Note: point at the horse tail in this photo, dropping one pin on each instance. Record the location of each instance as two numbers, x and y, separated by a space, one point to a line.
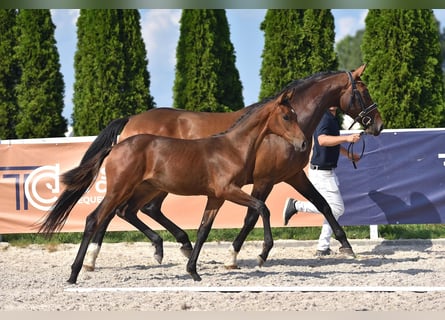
106 138
77 181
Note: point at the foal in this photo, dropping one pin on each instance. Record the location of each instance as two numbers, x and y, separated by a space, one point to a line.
143 166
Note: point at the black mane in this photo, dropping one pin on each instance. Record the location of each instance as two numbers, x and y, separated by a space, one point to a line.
294 85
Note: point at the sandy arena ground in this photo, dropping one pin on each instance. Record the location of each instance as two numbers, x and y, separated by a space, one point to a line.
34 278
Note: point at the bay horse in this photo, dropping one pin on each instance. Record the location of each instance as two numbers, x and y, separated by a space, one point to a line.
310 98
142 166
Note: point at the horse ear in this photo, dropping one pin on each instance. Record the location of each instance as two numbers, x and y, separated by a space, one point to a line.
285 97
359 71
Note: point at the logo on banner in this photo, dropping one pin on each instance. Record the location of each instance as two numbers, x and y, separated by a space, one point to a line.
47 176
39 186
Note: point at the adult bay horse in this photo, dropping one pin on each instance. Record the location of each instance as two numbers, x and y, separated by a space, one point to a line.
310 98
142 166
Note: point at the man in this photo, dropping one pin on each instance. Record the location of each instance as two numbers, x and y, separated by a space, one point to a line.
326 150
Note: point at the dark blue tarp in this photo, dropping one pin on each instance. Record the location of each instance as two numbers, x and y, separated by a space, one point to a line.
400 180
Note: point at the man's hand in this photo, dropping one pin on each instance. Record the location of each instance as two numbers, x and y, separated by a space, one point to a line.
353 138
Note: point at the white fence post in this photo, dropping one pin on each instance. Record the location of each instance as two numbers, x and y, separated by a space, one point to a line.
373 232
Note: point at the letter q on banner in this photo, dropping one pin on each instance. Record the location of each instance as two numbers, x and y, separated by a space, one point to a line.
42 186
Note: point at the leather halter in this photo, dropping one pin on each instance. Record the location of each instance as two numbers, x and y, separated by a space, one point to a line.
363 117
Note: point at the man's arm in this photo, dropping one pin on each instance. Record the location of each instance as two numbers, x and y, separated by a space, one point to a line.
330 141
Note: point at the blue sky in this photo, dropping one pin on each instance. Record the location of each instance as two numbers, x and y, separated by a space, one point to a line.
160 31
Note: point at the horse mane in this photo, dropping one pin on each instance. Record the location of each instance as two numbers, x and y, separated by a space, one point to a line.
302 83
253 108
293 86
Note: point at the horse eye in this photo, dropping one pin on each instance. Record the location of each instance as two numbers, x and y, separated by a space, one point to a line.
286 117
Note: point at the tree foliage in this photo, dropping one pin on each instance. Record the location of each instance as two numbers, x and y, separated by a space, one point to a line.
297 44
41 88
8 74
404 73
111 76
206 77
349 51
442 47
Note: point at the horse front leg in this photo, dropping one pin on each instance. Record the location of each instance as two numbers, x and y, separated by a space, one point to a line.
153 210
211 209
240 197
260 191
304 186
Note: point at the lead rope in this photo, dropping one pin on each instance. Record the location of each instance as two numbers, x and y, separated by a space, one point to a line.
351 151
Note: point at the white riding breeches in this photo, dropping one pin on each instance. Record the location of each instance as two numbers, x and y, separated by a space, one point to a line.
326 182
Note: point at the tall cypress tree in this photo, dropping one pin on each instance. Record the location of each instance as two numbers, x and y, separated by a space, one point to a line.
111 76
404 73
349 51
297 44
8 74
41 88
206 76
442 46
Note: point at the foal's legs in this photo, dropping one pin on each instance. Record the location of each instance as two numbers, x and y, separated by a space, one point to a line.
90 227
238 196
260 191
302 184
211 209
153 210
94 221
96 243
131 217
89 262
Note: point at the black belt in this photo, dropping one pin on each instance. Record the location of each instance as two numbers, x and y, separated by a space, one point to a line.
315 167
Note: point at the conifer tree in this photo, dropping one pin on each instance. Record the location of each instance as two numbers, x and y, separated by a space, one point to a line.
349 51
297 43
111 76
8 74
41 88
404 73
206 76
442 46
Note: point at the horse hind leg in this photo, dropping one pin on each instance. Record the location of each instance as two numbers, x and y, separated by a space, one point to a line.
128 212
94 247
302 184
153 210
90 226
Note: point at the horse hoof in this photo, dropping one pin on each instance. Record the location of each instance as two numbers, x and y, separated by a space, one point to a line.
195 277
71 281
158 258
88 268
347 252
260 261
186 251
231 266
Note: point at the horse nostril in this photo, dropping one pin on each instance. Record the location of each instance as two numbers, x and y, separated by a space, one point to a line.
304 145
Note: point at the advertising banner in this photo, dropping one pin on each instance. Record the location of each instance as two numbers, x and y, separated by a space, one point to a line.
29 185
399 180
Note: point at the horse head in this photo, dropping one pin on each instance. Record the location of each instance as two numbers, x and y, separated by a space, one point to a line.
284 122
358 104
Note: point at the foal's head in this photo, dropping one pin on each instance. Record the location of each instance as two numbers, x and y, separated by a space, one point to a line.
283 122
